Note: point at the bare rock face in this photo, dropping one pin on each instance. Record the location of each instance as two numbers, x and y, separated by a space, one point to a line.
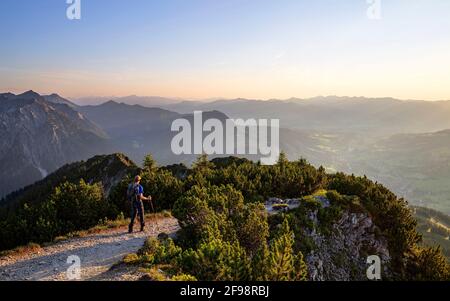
342 256
38 136
338 248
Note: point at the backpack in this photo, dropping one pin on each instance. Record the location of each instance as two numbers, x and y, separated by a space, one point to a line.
132 192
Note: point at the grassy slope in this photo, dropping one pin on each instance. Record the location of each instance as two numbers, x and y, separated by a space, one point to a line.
435 228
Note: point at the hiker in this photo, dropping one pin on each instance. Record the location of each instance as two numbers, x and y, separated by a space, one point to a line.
135 194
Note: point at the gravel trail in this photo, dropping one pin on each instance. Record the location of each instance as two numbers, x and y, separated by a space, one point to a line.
97 253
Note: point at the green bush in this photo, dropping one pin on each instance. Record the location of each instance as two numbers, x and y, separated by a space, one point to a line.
327 217
131 259
71 207
216 260
428 264
156 251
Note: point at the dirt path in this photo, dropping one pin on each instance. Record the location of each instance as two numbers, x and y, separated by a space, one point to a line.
97 253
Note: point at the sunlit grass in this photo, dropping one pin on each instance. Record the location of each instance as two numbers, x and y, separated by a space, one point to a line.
30 248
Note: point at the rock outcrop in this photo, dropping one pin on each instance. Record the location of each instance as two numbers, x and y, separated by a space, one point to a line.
342 256
339 246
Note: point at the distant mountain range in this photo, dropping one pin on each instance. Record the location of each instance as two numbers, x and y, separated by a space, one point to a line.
39 134
402 144
372 116
137 130
146 101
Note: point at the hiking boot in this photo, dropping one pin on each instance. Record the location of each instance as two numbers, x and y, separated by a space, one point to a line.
130 229
142 228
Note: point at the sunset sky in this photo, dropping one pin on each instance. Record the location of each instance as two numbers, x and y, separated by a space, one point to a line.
231 48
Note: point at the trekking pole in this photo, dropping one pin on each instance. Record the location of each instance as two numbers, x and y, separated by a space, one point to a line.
154 213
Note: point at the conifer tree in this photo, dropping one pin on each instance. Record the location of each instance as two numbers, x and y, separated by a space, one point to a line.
150 163
283 264
300 268
282 159
236 265
260 264
281 259
202 163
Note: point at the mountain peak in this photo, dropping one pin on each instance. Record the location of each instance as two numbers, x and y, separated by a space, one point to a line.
29 95
110 103
57 99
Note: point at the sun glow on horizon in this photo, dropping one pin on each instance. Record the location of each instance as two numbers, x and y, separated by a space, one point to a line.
203 50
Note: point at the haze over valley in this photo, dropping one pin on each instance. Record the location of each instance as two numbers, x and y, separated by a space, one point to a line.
380 138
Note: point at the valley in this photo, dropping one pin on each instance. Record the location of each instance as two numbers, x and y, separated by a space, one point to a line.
373 137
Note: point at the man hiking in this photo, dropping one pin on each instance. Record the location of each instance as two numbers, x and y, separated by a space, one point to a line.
135 194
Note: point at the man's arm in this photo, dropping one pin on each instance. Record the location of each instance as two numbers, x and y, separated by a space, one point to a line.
143 198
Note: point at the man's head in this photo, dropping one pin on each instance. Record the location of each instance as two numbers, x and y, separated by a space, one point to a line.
137 179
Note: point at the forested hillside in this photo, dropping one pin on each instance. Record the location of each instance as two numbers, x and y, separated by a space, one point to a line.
227 231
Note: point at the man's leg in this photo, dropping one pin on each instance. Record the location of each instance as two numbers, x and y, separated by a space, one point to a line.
141 215
133 216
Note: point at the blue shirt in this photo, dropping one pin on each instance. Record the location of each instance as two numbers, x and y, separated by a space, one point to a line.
138 190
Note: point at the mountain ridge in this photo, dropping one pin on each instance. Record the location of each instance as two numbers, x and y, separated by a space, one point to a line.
107 169
38 136
138 130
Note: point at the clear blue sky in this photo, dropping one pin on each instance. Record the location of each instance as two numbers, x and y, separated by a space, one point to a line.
227 48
